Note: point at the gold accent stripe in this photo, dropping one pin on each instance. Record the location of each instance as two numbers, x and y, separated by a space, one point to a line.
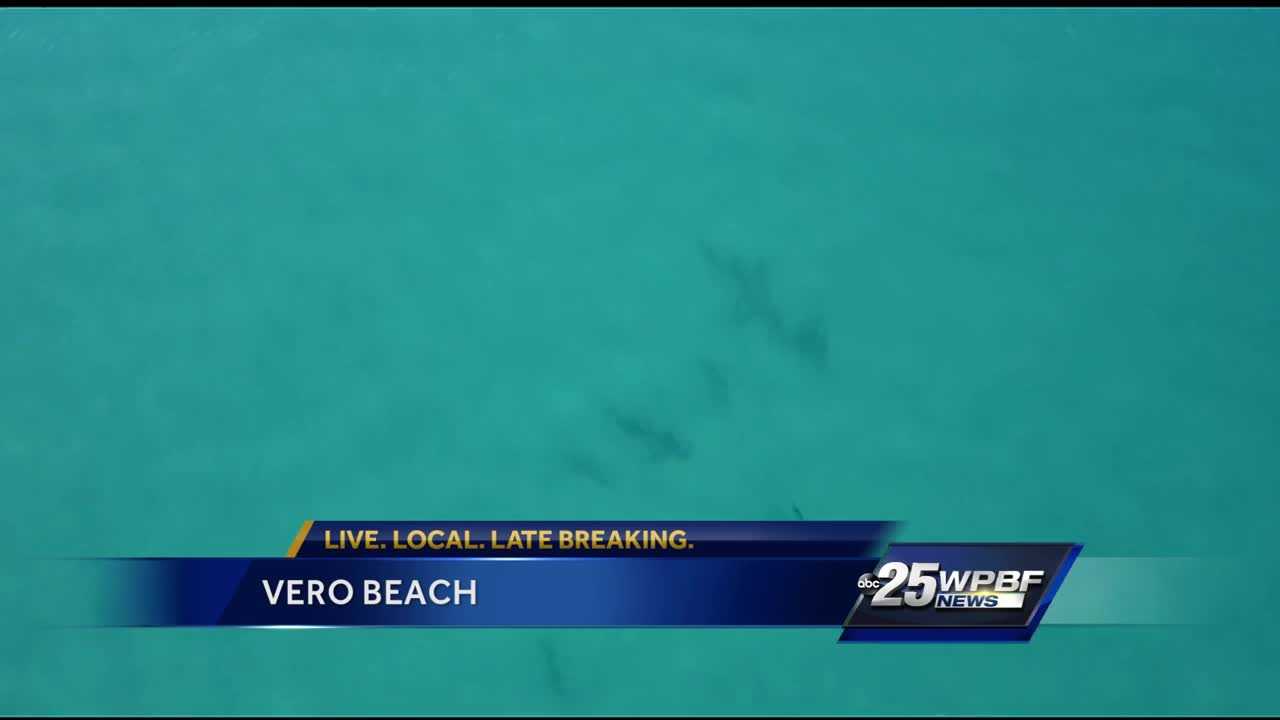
300 538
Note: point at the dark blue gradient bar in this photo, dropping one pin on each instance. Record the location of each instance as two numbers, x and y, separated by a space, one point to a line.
509 592
326 538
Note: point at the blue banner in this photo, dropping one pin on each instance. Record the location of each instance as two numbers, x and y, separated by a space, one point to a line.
595 574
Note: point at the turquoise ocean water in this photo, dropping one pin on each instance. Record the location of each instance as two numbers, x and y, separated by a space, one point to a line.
1001 275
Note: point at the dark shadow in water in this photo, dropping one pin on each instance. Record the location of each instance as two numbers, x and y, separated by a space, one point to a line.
716 383
751 288
661 444
555 671
586 466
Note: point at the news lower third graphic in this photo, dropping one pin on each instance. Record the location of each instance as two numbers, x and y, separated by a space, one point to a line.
848 576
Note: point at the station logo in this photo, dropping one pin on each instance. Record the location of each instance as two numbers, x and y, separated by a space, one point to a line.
946 592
